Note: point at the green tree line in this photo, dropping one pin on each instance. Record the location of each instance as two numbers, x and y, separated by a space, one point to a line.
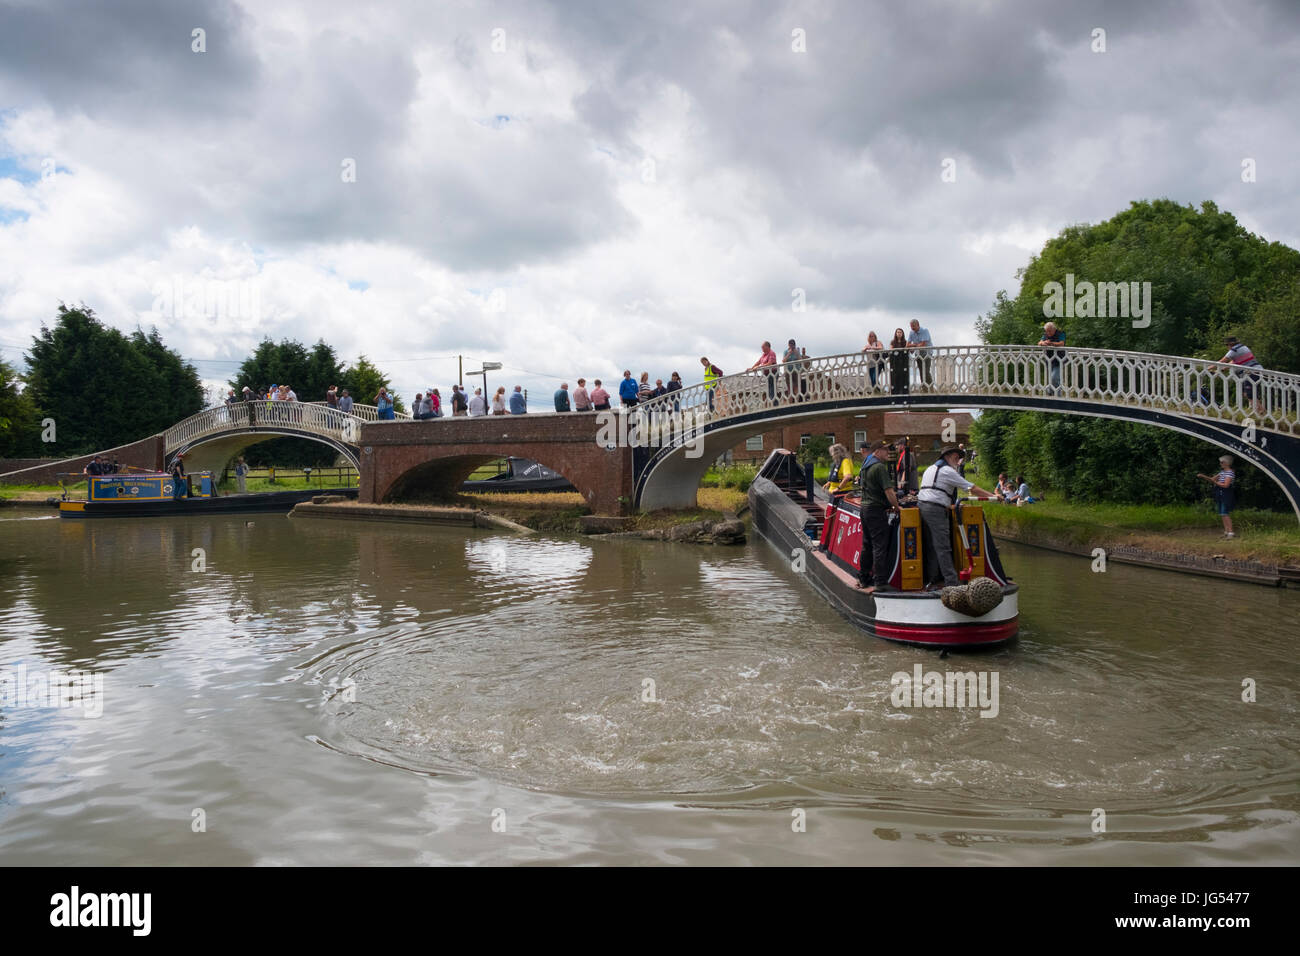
104 388
1209 278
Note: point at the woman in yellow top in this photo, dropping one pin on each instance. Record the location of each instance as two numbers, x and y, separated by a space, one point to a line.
841 478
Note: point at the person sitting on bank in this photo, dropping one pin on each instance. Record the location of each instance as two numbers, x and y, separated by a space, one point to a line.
1004 490
937 499
841 477
1225 492
878 500
1022 495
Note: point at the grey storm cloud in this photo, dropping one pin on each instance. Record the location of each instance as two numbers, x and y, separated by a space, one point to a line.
818 170
129 59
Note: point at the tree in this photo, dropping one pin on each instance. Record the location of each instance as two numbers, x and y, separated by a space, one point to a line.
815 451
20 419
364 381
1209 277
104 389
310 373
180 392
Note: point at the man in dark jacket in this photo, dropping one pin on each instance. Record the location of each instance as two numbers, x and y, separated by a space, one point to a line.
180 487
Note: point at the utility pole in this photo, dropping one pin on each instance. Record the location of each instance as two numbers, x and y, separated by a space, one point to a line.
460 370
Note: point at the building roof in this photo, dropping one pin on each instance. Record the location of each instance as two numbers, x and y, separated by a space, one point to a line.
926 423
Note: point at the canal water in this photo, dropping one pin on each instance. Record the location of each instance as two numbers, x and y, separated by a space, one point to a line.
326 692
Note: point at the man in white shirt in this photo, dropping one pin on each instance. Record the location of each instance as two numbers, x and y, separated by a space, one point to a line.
477 404
940 486
919 339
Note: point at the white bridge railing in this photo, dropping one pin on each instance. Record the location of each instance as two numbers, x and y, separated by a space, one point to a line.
317 418
1192 387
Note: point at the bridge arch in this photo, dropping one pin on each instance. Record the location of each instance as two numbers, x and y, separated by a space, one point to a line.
1255 414
436 456
213 437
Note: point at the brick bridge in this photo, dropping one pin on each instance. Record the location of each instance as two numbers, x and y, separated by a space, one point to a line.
399 459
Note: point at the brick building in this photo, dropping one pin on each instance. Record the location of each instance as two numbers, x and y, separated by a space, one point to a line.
923 429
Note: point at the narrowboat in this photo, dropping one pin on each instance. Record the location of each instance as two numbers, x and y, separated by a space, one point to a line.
149 494
520 474
790 511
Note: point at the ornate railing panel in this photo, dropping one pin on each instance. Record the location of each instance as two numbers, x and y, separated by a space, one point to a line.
316 418
1208 390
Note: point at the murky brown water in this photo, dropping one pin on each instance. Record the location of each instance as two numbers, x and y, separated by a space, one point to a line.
352 693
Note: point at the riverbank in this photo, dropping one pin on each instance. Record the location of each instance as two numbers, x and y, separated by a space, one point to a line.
563 513
557 513
1174 537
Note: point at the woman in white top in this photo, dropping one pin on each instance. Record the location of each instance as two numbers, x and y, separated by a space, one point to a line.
499 401
874 344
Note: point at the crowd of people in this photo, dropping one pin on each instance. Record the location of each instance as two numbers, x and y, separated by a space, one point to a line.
887 482
904 364
100 465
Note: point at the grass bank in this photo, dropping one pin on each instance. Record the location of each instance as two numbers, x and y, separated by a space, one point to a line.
1269 537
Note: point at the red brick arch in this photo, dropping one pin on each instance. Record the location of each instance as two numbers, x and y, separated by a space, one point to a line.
403 458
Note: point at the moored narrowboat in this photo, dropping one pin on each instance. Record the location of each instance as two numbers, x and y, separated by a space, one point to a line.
791 511
150 494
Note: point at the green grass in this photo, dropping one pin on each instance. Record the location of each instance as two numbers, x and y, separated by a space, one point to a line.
39 492
736 477
1271 537
288 481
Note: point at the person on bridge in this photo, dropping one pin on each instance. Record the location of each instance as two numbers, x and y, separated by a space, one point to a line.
251 405
345 402
674 384
599 398
459 404
332 396
1053 336
562 397
518 404
581 400
499 401
898 384
767 362
1225 492
1243 358
937 499
384 406
920 340
477 404
711 374
418 410
627 389
792 359
645 391
878 500
876 369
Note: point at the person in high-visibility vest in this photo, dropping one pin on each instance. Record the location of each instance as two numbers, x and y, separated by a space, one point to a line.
711 372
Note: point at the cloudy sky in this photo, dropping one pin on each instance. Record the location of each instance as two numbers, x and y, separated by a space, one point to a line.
581 187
